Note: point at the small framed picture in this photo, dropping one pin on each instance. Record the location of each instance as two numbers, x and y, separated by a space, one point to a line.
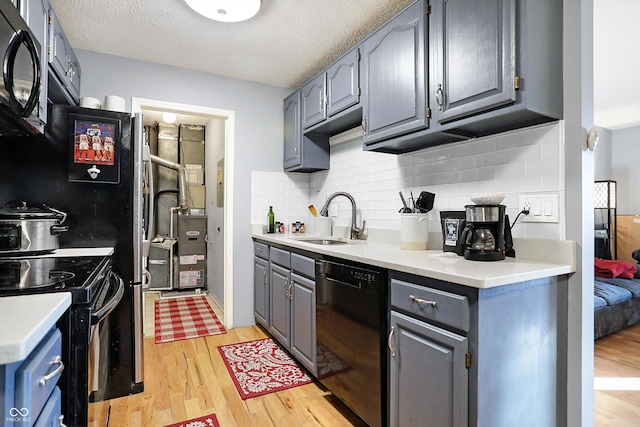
94 152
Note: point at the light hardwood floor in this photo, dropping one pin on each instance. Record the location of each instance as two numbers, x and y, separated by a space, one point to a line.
617 365
188 379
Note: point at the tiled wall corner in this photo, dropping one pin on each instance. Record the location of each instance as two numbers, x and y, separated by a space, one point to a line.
287 193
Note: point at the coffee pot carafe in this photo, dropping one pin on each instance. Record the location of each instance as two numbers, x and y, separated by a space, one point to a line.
487 234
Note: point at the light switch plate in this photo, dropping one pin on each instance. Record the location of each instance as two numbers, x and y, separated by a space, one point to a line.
333 210
542 208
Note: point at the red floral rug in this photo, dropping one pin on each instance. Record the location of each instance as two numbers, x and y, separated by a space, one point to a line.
206 421
261 367
184 318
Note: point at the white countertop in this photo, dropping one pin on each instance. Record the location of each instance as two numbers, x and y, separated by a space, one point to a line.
25 320
447 266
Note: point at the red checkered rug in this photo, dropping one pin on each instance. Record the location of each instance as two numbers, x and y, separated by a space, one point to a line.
261 367
184 318
206 421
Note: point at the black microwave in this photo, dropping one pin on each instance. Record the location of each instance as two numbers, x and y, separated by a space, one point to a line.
21 74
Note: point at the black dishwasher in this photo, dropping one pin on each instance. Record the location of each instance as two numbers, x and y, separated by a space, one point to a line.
351 320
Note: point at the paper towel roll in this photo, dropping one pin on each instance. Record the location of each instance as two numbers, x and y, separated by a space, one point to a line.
88 102
114 103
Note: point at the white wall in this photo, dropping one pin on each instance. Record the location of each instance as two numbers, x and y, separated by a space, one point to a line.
258 134
515 163
625 158
602 155
214 152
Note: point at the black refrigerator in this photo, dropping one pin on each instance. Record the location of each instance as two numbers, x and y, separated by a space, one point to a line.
89 164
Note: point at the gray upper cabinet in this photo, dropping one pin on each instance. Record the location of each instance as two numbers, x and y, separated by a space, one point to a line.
36 15
332 92
496 64
394 77
63 62
302 153
313 98
292 131
343 83
473 56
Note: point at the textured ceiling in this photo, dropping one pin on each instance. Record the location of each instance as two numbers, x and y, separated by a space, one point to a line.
288 42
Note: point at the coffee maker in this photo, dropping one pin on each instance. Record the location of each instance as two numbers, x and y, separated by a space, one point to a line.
487 234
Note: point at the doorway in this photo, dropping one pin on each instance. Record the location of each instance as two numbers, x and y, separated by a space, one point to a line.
220 181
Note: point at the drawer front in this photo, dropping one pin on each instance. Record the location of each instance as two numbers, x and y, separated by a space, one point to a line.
280 257
39 373
261 250
431 304
303 265
50 415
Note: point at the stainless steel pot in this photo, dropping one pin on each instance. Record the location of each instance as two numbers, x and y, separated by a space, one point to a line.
28 229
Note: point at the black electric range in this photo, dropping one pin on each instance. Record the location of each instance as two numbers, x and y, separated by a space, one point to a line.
46 274
95 292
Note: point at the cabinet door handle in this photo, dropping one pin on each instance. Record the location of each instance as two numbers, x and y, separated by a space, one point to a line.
291 291
389 344
56 361
295 150
364 125
264 276
440 98
422 301
286 290
61 421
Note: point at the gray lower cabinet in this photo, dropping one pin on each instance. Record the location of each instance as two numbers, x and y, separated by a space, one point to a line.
394 77
428 376
261 291
461 356
281 304
285 300
261 284
303 320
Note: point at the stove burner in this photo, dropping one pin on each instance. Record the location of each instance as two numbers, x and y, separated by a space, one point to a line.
34 273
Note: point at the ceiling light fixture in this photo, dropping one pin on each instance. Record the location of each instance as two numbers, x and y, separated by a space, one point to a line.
168 117
226 10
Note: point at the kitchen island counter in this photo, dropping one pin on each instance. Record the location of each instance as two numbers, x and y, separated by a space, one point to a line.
25 320
539 258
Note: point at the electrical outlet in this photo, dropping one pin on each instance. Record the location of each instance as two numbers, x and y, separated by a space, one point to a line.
333 210
541 207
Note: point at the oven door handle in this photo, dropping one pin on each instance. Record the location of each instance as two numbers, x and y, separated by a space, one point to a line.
111 304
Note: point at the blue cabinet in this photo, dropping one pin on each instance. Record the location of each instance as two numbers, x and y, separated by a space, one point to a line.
394 76
30 395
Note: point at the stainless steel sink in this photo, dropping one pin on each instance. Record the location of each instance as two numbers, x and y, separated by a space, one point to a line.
321 241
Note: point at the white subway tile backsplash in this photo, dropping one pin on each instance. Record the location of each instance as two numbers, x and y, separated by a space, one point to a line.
514 163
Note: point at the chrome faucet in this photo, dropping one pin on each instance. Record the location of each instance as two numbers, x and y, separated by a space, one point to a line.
356 232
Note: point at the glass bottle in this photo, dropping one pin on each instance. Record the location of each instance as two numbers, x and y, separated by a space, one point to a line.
272 220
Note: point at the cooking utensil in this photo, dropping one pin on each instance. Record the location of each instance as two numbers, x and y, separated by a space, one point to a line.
27 229
405 208
413 203
425 201
313 210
